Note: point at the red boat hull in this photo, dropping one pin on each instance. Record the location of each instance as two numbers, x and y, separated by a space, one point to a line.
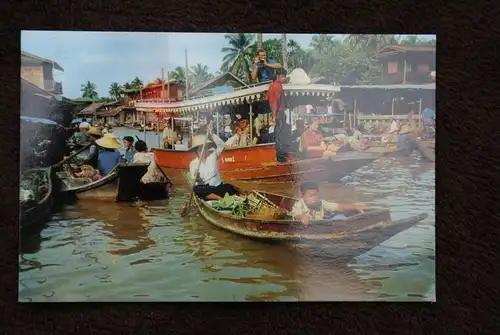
258 163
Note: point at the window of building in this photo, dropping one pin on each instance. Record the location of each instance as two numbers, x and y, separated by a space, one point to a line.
392 67
423 68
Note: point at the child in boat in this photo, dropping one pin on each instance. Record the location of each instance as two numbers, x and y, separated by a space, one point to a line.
312 207
128 143
208 182
142 155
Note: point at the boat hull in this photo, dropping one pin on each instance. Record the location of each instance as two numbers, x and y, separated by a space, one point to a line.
354 235
42 211
258 163
427 151
123 184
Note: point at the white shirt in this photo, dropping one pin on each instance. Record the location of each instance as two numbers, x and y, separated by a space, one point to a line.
394 126
330 109
209 170
153 174
309 109
232 140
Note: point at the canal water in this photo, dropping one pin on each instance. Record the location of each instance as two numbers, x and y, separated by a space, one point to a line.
103 251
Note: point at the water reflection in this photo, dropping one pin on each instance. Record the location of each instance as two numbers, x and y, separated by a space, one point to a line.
94 251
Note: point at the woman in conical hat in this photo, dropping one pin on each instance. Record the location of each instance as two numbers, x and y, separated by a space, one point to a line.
204 169
108 158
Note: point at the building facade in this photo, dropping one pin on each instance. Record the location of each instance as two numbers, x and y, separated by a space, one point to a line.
40 71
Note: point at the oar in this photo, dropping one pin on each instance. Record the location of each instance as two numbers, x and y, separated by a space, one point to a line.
72 155
186 208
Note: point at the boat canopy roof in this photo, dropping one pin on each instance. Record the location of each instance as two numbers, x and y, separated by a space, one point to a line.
243 95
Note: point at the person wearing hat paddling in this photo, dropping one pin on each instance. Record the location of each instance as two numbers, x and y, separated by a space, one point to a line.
208 182
128 143
80 136
142 155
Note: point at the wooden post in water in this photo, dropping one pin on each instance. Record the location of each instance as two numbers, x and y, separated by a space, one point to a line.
393 101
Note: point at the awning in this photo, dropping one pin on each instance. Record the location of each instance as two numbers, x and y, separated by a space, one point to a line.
238 97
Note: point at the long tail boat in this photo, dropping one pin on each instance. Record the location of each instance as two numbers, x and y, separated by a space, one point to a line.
360 230
258 163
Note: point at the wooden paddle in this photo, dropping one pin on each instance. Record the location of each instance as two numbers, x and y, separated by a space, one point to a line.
72 155
185 210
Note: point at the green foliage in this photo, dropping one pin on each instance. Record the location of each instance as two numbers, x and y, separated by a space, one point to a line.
89 91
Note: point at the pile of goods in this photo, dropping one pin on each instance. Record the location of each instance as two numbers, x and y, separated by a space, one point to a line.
33 187
252 205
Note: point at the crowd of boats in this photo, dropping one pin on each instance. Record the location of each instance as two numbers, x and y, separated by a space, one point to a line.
98 165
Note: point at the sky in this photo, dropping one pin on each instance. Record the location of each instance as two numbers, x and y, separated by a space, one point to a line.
106 57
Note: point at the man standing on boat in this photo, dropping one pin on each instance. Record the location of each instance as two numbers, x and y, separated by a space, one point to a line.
169 135
282 130
208 182
264 67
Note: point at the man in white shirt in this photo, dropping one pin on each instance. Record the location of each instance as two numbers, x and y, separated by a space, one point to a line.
208 182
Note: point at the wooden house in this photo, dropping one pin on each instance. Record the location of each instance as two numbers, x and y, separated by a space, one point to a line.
40 71
223 83
172 91
407 64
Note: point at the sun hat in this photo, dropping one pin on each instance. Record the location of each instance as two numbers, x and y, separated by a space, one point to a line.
108 141
94 131
84 125
198 141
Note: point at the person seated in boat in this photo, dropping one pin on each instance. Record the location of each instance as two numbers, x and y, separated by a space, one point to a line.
80 136
93 134
356 136
169 135
406 142
143 155
208 182
241 138
312 207
128 143
313 144
108 157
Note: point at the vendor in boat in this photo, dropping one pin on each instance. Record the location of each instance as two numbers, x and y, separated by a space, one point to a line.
93 134
80 136
169 135
128 143
312 207
313 144
142 155
107 158
406 142
208 182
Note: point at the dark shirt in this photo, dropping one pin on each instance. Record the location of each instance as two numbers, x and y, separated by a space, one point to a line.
265 73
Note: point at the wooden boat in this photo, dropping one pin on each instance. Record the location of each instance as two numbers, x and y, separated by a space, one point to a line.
366 230
258 163
122 184
427 151
39 209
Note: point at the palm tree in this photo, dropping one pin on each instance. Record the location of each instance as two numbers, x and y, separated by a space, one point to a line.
137 83
199 74
127 86
115 91
322 44
178 75
371 43
239 55
89 91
